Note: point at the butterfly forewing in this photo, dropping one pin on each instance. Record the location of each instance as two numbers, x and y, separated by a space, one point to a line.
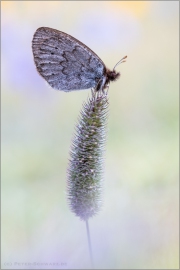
64 62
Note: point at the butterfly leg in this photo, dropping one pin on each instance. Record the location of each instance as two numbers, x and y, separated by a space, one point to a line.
98 86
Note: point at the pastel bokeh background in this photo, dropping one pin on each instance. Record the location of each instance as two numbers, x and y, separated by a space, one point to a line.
138 225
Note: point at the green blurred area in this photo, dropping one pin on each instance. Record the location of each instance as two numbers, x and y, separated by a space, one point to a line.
138 225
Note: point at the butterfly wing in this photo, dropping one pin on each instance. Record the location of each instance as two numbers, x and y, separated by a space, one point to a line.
64 62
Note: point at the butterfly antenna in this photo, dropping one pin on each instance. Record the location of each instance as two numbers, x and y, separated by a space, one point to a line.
121 61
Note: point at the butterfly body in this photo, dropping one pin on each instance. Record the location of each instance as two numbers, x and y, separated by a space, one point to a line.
67 64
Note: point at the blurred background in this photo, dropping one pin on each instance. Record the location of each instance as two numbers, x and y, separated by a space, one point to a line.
138 225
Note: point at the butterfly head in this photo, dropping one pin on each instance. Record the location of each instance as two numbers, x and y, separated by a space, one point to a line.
112 75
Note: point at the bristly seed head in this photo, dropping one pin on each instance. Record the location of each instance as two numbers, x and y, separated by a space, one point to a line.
86 158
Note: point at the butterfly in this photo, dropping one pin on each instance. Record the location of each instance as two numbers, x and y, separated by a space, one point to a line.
67 64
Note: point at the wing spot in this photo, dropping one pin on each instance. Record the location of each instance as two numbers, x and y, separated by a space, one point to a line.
52 53
56 48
